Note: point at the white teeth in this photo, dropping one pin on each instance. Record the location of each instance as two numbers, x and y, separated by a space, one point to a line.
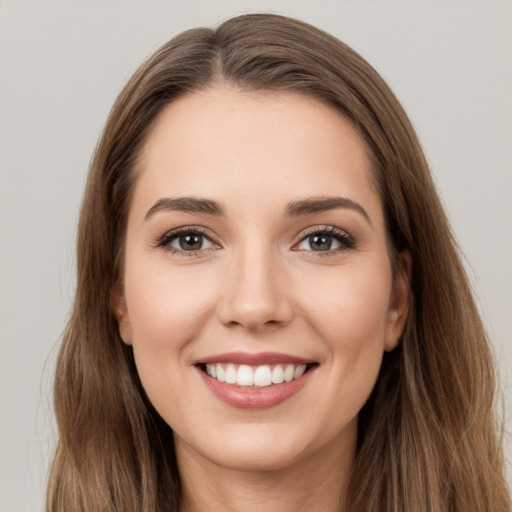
299 371
245 376
259 376
288 373
211 370
262 376
277 375
230 374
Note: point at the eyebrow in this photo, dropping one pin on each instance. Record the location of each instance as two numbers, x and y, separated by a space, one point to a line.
323 204
186 204
294 209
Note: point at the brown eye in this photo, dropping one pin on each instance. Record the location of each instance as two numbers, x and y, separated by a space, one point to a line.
185 241
328 240
320 242
189 242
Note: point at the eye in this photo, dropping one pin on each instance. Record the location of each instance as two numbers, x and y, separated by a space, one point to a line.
185 241
319 242
329 239
191 242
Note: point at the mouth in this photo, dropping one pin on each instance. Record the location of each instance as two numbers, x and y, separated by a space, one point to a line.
259 376
255 381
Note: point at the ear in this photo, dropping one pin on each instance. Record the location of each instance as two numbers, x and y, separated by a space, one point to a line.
400 300
120 311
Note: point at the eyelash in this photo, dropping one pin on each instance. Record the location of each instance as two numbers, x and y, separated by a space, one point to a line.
347 241
165 241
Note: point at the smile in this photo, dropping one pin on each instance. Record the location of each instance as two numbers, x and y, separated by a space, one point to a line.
255 376
255 381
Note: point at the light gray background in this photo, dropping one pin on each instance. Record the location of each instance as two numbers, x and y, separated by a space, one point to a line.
62 65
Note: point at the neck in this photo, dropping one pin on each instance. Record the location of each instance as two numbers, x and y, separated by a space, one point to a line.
315 484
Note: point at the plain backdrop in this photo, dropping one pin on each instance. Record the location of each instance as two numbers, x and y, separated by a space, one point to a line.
61 67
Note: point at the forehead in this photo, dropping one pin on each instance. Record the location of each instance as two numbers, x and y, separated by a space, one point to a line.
254 145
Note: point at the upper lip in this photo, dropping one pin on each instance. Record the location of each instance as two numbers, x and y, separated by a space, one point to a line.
255 359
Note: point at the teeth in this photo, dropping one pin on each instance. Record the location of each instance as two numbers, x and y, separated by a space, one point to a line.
230 375
258 376
245 376
288 373
299 371
262 376
277 375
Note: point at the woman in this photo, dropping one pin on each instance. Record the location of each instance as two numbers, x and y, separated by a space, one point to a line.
270 310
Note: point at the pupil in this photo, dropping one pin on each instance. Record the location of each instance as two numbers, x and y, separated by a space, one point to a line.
191 242
320 242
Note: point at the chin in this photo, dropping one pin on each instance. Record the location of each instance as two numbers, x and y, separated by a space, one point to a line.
259 447
256 458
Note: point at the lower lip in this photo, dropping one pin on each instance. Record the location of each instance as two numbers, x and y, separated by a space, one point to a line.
254 397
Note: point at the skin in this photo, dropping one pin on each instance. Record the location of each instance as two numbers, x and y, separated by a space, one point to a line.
258 286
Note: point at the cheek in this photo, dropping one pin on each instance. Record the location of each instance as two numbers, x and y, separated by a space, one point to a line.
349 317
167 310
344 312
350 308
165 305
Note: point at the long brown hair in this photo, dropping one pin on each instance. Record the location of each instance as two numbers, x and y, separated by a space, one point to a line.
428 435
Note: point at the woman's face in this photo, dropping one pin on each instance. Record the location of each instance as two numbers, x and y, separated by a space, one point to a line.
258 290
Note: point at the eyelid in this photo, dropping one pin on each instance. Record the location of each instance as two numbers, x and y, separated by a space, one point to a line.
164 240
346 239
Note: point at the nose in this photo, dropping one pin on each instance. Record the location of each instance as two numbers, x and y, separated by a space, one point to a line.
254 295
